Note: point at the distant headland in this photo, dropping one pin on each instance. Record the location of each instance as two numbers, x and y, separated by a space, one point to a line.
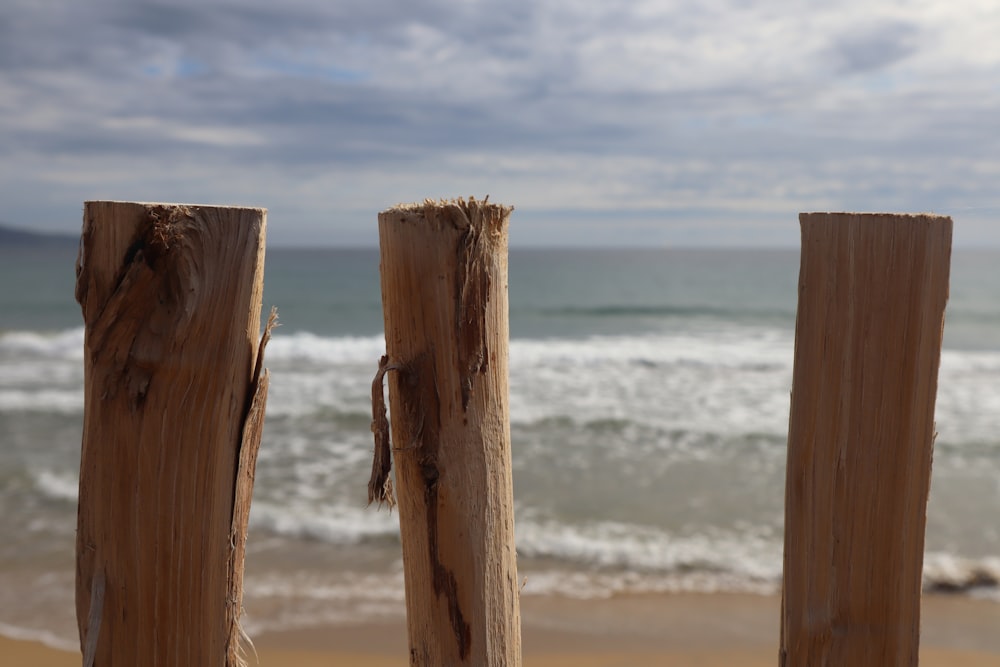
20 237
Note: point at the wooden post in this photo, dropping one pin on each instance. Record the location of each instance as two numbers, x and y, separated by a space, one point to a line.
444 292
174 400
872 292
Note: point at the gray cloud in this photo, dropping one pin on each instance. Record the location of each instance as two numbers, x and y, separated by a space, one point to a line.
165 20
688 115
870 48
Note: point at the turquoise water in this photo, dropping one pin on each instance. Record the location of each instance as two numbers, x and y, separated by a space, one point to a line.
649 407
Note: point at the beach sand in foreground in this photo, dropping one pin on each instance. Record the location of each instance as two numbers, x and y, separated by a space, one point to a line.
626 631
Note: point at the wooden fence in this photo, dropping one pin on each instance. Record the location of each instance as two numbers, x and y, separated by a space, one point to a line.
175 395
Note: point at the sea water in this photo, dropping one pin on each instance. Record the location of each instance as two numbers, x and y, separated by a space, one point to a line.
649 407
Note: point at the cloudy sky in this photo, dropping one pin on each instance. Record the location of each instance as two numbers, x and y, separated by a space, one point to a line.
684 122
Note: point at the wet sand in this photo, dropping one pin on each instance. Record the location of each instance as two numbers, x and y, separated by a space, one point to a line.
626 631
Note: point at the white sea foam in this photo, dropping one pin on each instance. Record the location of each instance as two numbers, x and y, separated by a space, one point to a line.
585 585
330 523
752 556
718 397
728 380
42 636
60 401
66 344
730 347
950 573
308 347
715 559
338 586
58 486
724 384
971 362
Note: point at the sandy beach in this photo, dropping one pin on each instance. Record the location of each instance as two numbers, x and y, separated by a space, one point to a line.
627 631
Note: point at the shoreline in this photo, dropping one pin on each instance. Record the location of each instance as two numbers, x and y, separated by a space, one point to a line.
711 630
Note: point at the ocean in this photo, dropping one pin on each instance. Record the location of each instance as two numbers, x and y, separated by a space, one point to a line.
649 406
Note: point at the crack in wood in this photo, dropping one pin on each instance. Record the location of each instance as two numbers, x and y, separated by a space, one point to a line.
422 405
471 298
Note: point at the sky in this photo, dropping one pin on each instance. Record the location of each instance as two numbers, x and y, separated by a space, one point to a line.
638 123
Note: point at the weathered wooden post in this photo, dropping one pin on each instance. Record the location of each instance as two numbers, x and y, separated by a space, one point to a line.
444 292
872 292
174 403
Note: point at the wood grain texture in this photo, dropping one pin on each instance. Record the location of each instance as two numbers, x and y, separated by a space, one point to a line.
444 292
174 399
872 293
